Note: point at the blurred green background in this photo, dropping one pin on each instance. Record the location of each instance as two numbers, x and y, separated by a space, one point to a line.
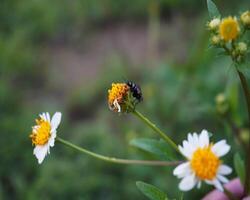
63 55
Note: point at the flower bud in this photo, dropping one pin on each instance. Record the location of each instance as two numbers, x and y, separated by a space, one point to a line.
241 47
214 24
244 134
245 18
215 40
222 105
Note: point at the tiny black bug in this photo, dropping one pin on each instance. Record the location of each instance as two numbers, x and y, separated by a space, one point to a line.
135 90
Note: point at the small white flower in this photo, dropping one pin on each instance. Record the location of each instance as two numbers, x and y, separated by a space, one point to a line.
203 162
214 24
44 134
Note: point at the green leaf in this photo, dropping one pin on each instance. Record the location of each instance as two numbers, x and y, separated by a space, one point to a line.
212 9
151 191
157 147
239 167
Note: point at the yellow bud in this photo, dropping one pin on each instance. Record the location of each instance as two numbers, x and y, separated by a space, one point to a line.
245 18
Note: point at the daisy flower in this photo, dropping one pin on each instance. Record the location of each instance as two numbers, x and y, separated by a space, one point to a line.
203 163
44 133
229 29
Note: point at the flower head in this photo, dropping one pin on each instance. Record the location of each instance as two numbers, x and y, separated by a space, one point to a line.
245 18
214 24
117 96
229 29
44 133
203 163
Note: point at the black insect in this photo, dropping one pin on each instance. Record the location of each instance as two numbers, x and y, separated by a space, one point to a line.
135 90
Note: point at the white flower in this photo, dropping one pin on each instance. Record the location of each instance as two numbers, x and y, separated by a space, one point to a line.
203 162
44 134
214 24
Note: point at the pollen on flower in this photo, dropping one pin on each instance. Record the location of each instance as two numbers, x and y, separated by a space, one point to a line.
117 94
229 29
205 163
41 132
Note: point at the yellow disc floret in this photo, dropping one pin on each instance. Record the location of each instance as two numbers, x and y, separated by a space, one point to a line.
41 132
118 92
229 29
205 163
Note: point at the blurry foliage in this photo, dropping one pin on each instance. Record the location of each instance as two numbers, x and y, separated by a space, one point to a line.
179 98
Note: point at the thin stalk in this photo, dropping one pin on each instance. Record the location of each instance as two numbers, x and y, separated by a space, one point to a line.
117 160
247 97
156 129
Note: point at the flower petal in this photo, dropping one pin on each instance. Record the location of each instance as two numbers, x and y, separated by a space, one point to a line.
47 117
185 152
224 170
117 105
56 119
187 183
52 138
223 179
218 185
40 152
203 139
221 148
199 184
182 170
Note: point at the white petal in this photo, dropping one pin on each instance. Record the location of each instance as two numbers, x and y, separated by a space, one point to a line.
40 152
196 140
187 183
199 184
223 179
218 185
47 117
52 138
56 119
221 148
190 139
43 116
203 139
224 170
182 170
188 148
187 154
116 105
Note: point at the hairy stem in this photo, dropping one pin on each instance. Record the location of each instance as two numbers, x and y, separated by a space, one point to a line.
118 160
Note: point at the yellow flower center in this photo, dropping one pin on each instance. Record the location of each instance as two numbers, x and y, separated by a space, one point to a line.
205 163
229 29
41 132
117 92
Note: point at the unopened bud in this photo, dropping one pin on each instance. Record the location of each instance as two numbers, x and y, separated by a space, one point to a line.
241 47
222 105
245 18
214 24
215 40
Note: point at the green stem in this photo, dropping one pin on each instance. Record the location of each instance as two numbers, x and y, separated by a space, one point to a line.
247 97
156 129
117 160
